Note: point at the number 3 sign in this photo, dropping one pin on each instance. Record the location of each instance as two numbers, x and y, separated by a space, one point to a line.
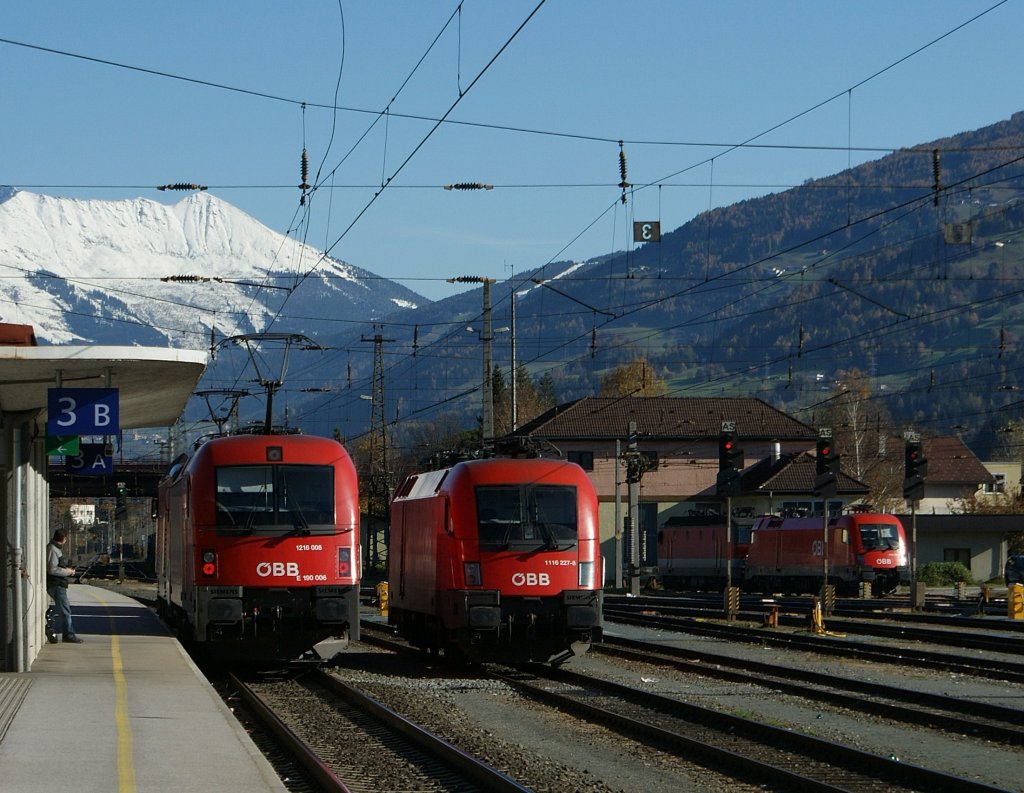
82 411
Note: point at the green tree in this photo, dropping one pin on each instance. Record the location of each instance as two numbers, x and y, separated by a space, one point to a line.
532 399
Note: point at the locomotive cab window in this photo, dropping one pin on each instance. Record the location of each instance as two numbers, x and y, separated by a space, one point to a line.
879 536
526 517
274 498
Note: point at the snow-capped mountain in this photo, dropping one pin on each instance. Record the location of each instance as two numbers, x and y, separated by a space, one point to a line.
93 272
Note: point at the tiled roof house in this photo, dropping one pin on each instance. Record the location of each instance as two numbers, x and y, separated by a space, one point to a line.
679 438
954 474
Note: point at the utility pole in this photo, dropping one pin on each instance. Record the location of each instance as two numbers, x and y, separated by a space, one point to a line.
826 485
636 465
487 338
378 486
515 408
729 483
618 516
915 470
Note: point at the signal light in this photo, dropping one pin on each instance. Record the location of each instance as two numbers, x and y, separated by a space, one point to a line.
823 457
121 502
915 462
730 461
209 559
730 456
344 562
826 467
915 469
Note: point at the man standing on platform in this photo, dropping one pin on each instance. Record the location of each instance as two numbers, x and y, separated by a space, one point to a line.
58 574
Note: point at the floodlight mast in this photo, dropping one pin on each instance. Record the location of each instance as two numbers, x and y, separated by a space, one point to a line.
252 343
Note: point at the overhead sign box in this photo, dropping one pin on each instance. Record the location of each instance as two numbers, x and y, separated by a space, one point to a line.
93 460
61 444
82 411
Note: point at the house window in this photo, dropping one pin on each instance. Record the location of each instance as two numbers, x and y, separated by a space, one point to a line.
652 460
962 555
584 460
999 486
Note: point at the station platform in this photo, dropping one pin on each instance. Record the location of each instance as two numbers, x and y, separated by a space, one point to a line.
124 712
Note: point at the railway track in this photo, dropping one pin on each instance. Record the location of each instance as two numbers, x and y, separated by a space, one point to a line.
962 615
347 741
744 748
750 750
1002 669
935 711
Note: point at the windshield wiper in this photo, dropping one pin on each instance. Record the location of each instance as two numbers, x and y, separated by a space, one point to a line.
506 540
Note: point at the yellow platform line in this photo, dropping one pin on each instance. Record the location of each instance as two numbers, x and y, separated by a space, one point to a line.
125 751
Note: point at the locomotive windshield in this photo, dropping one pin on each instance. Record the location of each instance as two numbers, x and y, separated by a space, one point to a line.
879 536
526 516
274 498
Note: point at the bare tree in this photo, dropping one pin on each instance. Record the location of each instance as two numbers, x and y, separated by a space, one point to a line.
636 378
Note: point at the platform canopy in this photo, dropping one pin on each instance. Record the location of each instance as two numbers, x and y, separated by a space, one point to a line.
154 383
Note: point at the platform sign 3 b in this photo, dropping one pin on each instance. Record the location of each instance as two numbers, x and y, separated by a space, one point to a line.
82 411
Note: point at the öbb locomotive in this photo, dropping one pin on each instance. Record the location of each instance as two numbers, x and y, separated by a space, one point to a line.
786 554
257 546
497 560
693 551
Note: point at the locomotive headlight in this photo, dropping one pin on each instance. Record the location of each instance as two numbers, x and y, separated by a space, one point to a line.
471 572
587 574
209 559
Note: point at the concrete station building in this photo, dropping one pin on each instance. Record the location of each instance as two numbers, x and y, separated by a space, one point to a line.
153 386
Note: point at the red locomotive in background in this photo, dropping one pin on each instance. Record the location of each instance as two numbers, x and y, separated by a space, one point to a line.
788 554
497 560
257 545
693 552
785 554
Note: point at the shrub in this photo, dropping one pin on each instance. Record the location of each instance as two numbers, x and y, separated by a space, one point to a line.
944 574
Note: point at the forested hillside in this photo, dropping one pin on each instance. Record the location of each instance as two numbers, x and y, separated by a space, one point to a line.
903 270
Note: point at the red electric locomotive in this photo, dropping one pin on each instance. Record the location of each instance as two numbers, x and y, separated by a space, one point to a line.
787 554
497 560
257 545
692 551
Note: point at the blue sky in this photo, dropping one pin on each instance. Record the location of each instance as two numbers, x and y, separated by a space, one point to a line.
679 81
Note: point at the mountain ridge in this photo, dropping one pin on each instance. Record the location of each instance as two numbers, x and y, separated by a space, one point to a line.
843 281
77 255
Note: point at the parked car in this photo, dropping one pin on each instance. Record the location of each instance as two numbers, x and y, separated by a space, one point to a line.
1014 573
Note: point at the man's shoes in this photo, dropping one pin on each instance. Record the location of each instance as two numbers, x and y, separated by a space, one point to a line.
72 639
51 638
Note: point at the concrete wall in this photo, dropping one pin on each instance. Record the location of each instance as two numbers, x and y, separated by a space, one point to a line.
24 504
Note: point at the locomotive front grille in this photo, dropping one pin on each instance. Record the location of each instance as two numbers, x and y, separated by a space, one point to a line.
331 609
224 610
582 617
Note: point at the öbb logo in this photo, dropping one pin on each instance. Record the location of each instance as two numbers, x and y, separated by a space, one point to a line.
290 569
530 579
